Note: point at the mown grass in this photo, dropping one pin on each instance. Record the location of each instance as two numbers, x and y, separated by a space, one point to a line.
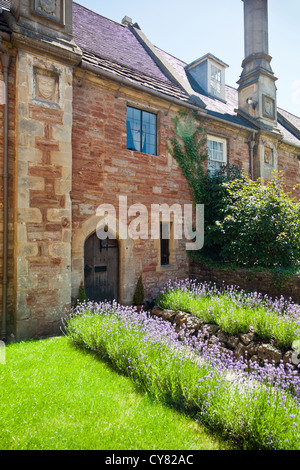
54 396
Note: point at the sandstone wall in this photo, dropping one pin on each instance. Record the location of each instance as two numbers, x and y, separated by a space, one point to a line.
251 281
103 170
43 184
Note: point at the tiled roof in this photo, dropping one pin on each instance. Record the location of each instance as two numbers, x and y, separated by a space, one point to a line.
112 47
290 124
107 39
227 111
3 24
121 71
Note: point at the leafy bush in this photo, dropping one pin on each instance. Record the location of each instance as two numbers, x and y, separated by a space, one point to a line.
260 224
246 223
215 197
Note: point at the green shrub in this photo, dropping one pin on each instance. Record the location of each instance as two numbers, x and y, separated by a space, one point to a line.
260 224
215 197
81 295
246 223
138 297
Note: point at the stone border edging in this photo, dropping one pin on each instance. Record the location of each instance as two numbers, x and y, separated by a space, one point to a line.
248 346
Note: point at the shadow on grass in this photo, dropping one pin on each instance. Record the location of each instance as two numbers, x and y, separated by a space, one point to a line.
178 406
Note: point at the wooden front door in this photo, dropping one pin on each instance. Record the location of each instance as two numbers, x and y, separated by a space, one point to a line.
101 269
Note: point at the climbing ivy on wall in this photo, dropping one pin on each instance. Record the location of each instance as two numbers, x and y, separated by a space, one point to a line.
246 222
188 146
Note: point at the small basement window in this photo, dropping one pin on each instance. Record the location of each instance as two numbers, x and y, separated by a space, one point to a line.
217 153
141 131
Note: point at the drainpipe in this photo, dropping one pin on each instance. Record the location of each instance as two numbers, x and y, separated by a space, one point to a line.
251 147
5 59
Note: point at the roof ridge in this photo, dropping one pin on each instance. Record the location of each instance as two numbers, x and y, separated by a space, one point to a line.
99 14
171 55
288 112
165 66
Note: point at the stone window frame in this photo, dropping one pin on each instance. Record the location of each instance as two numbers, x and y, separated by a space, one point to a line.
151 112
271 150
268 100
222 140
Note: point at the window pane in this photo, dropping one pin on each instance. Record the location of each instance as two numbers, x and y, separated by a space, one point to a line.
136 114
133 129
141 131
216 155
149 133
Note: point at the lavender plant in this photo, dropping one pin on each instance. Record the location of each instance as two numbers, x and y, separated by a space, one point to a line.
234 311
260 408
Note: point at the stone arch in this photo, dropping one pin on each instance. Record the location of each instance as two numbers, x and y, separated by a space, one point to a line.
126 260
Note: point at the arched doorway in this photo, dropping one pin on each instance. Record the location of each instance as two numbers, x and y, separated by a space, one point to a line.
101 269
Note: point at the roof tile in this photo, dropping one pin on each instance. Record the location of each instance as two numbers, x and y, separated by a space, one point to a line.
110 40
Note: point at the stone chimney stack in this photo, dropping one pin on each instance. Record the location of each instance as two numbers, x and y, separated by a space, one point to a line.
257 89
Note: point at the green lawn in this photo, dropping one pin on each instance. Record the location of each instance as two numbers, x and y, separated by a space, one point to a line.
57 397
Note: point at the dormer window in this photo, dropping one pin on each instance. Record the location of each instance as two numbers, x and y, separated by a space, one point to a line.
215 80
207 76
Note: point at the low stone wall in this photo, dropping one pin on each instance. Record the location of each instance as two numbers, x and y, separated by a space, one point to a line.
263 282
248 346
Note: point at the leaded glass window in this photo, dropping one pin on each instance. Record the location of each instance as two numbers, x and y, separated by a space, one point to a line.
141 131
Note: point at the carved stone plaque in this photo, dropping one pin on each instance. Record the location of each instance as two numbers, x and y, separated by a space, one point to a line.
51 9
268 107
46 85
48 6
268 156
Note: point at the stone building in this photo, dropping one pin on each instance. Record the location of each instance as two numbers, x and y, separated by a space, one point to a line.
86 106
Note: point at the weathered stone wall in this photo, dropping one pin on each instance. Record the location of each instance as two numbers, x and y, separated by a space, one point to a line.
103 170
43 183
67 156
251 281
289 167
